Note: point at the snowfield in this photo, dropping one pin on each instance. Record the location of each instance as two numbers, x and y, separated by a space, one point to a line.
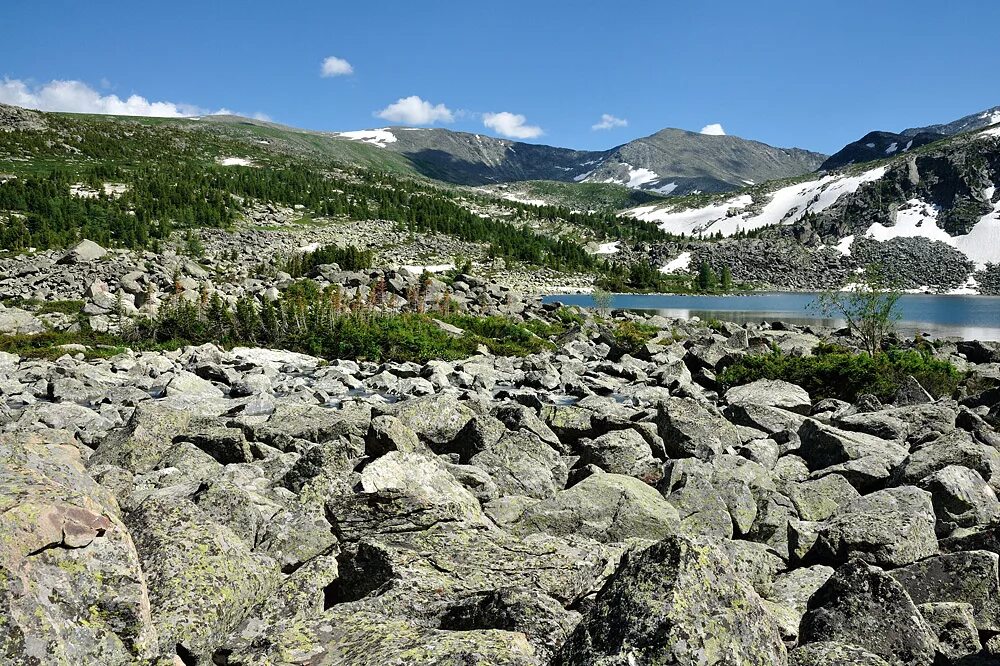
639 177
607 248
784 206
376 137
681 263
235 161
919 219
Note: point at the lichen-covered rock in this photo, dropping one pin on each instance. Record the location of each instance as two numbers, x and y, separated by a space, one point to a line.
436 418
702 509
202 578
962 499
71 588
891 527
831 653
522 464
423 477
360 637
538 616
954 627
957 448
387 433
621 452
771 393
864 460
147 436
862 605
969 577
790 592
818 499
676 602
605 507
690 429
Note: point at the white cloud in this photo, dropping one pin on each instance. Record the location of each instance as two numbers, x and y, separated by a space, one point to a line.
511 125
334 66
715 129
78 97
609 121
415 111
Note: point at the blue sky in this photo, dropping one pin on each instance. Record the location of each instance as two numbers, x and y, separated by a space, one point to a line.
787 73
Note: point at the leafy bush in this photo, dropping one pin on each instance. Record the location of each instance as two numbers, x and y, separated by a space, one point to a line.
835 373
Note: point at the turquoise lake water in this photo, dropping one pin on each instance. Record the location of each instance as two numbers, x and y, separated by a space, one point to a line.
968 317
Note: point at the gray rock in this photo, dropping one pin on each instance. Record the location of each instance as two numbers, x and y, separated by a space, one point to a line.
605 507
864 460
690 429
203 579
790 592
962 499
818 499
422 477
862 605
890 527
146 437
954 627
387 433
436 418
83 252
521 464
771 393
71 587
831 653
676 602
969 577
621 452
15 321
957 448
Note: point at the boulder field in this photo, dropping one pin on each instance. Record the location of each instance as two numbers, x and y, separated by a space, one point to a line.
577 507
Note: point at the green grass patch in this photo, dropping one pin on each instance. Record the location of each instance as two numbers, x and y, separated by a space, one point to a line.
630 335
833 372
44 307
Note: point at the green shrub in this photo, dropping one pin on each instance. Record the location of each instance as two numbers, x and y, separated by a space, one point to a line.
348 258
570 316
835 373
322 323
630 335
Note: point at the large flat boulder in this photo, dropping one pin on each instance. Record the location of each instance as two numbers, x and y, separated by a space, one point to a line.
889 528
604 507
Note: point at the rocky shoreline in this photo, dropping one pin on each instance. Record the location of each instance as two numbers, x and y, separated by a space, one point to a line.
582 505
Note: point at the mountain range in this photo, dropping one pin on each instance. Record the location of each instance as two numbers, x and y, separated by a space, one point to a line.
672 161
879 145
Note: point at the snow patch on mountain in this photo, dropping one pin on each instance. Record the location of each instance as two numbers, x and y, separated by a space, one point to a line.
681 263
607 248
844 246
235 161
376 137
784 206
665 189
919 219
692 220
639 177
